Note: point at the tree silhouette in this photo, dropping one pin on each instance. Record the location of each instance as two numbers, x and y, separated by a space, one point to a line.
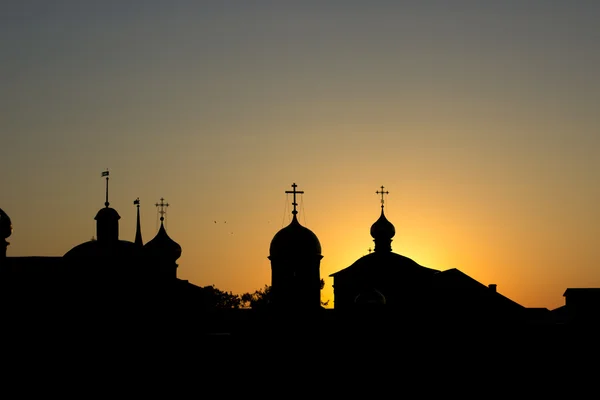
257 300
260 299
215 298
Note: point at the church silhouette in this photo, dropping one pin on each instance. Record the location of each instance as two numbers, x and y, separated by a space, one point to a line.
122 288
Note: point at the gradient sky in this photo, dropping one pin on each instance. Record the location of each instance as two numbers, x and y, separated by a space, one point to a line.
479 117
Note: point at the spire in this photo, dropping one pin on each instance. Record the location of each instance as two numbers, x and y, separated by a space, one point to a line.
138 228
294 192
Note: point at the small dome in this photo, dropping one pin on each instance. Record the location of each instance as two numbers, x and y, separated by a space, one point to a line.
382 228
5 225
295 239
162 246
107 213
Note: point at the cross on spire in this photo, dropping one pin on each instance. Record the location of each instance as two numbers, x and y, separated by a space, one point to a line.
162 208
382 193
294 192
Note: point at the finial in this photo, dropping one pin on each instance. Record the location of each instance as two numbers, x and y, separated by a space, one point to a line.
105 174
382 193
294 191
162 209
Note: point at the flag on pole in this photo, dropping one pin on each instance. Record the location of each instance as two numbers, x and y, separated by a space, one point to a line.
104 173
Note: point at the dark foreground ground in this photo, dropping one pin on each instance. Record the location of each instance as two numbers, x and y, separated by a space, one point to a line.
251 355
167 361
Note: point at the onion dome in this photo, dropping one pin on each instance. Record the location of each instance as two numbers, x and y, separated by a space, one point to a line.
162 247
382 228
5 225
382 231
295 240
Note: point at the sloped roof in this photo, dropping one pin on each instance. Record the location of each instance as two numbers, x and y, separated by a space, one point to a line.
454 279
383 260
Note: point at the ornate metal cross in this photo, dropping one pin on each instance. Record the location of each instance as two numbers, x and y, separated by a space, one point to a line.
162 208
294 191
382 193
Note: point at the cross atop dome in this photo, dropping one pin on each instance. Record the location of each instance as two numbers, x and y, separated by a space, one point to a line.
382 193
294 192
162 208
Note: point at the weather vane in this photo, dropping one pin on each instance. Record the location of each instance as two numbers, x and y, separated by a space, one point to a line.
105 174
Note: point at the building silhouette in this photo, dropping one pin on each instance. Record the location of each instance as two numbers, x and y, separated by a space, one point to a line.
295 255
104 282
406 290
111 285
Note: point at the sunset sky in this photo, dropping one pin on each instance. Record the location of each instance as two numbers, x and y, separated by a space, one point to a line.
481 119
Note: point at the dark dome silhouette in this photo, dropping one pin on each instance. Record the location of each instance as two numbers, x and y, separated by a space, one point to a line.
107 242
295 254
295 239
382 228
162 246
106 245
107 213
5 225
95 249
